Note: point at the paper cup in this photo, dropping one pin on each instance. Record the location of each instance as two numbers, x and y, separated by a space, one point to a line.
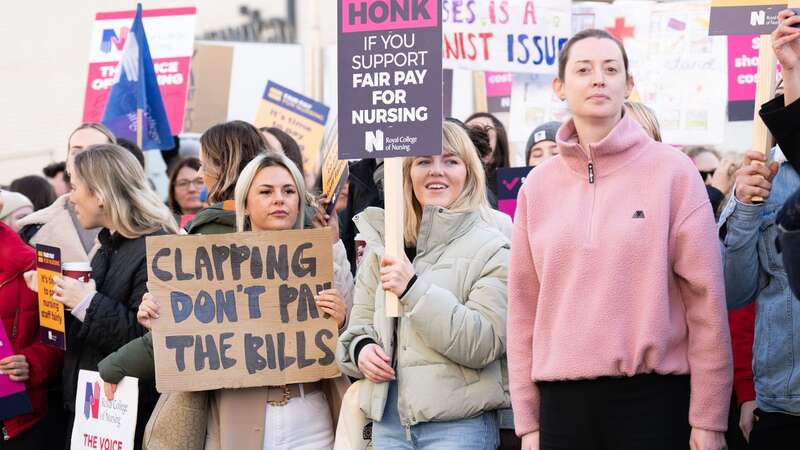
81 271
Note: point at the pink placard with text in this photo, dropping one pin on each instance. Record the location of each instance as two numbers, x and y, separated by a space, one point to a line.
742 67
378 15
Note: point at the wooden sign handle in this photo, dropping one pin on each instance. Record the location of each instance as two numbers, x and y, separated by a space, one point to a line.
480 102
765 89
393 207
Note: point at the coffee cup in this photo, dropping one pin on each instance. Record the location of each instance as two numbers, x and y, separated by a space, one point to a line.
81 271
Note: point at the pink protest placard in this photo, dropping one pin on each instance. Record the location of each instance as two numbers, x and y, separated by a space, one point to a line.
14 399
170 34
498 91
378 15
742 74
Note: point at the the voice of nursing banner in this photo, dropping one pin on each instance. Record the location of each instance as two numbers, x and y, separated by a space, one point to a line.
170 34
505 35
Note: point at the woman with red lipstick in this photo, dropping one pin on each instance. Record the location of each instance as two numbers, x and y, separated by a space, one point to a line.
433 377
618 334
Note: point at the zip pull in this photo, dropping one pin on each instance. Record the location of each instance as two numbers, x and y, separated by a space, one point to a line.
591 173
408 433
6 437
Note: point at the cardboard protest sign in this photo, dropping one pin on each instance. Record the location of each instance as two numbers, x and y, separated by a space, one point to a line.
170 34
514 35
299 116
14 400
390 78
238 309
51 312
509 181
731 17
742 76
102 424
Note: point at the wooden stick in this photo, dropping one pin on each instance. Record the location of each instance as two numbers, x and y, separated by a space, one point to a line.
765 89
480 101
139 121
393 205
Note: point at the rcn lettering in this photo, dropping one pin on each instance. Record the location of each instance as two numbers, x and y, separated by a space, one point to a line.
373 140
758 18
362 12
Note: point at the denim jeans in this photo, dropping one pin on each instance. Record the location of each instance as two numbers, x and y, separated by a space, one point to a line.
475 433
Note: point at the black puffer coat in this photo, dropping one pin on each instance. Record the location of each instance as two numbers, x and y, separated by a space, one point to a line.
120 270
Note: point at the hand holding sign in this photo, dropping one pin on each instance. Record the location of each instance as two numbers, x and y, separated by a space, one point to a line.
753 179
16 367
785 40
786 45
396 274
148 311
331 302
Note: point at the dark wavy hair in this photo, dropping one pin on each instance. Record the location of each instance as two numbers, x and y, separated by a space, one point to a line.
501 156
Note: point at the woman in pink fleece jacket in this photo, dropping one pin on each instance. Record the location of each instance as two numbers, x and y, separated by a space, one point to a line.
618 337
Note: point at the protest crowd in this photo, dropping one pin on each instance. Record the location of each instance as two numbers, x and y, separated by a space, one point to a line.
645 296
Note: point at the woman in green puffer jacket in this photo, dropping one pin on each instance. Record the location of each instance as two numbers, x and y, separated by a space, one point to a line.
435 376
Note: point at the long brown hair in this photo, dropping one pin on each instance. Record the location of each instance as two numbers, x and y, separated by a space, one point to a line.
227 148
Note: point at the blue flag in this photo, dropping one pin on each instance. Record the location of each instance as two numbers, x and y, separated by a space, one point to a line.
136 88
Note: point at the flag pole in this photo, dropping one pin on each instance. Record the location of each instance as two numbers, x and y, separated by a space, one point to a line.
139 127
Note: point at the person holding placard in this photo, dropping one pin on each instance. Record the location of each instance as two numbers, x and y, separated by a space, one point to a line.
225 150
34 363
434 377
618 334
754 270
110 192
271 196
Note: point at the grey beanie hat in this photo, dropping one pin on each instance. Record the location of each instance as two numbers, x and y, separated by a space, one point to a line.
544 132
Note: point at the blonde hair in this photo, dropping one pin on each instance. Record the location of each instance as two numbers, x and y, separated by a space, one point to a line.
119 182
646 118
246 181
455 141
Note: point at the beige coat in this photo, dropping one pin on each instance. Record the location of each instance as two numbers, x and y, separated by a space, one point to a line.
236 416
58 230
451 336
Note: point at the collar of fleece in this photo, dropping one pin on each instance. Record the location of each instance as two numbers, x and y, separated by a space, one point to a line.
623 144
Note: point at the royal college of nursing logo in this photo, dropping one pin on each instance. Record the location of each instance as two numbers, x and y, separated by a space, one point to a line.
91 405
110 38
373 140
